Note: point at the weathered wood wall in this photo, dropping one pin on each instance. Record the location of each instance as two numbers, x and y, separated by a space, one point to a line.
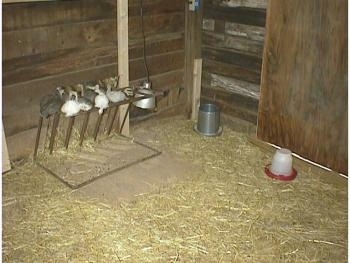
46 44
232 47
304 89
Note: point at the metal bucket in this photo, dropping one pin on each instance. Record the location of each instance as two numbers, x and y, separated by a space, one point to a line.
208 120
147 103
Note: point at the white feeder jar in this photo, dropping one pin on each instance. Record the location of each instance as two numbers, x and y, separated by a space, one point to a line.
282 162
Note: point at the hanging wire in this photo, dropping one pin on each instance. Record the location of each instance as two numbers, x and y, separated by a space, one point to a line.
144 41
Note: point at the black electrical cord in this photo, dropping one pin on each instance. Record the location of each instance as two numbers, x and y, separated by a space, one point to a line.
144 41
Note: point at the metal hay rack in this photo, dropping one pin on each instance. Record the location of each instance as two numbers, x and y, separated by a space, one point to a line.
112 109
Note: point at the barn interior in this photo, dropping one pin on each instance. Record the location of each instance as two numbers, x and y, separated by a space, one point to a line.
181 169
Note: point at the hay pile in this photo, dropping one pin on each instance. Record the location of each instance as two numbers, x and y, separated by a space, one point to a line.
228 212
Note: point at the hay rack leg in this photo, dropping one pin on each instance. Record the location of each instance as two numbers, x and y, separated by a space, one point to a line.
125 116
109 129
69 131
97 126
83 128
56 120
37 139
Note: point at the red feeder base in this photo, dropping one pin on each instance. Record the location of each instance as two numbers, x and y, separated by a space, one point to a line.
280 177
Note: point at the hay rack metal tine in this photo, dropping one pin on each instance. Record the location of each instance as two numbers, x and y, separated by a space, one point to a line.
69 131
56 119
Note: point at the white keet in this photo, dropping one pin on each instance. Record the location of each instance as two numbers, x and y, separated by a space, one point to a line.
101 101
71 107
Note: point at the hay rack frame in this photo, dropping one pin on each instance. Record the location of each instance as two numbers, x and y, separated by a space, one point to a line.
56 119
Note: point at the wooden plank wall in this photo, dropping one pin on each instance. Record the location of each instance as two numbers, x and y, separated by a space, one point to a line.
164 30
304 89
232 47
46 44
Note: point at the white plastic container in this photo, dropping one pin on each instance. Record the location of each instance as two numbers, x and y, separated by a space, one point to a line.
282 162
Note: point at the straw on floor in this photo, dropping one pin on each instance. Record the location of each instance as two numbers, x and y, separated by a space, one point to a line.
229 211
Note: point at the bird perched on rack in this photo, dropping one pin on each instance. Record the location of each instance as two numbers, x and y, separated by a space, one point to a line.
111 82
71 107
102 85
51 103
84 102
64 91
114 82
89 90
115 95
101 100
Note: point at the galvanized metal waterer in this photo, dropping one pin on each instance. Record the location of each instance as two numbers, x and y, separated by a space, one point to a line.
208 123
150 101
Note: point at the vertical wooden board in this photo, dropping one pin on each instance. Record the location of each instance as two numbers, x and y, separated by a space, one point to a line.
197 83
303 104
6 165
193 40
123 58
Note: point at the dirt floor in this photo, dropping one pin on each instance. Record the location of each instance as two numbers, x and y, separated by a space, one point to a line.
142 178
202 200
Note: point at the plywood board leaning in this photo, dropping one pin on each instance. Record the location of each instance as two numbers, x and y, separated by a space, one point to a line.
303 103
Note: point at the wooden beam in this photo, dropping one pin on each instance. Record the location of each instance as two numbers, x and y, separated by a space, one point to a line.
197 84
193 39
123 58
